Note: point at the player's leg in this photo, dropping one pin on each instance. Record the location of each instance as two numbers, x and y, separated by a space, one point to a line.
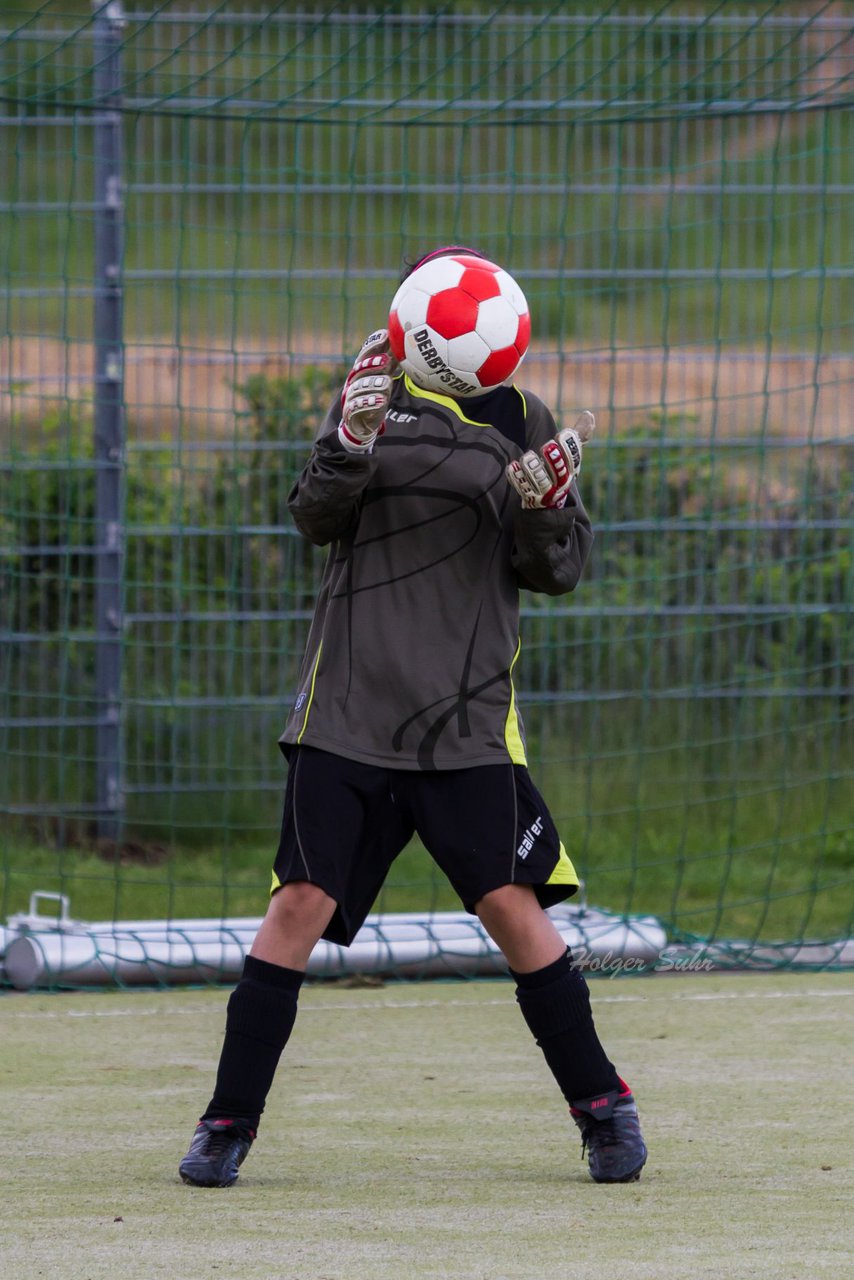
491 832
260 1017
555 1002
551 991
297 917
517 924
335 847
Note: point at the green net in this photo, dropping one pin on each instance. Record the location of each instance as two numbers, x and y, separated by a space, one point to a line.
204 213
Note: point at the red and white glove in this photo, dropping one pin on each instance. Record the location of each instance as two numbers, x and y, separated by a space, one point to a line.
543 479
367 392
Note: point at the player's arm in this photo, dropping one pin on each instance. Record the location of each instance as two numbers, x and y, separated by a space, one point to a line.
551 546
326 499
553 535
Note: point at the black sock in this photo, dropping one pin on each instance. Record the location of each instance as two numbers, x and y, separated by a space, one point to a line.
262 1009
555 1003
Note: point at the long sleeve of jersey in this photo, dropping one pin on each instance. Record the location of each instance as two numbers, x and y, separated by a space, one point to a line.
551 546
326 498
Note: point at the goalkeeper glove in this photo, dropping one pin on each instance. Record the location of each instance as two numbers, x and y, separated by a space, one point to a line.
543 479
367 392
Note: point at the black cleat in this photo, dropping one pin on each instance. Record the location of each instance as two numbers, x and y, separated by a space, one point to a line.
611 1136
216 1153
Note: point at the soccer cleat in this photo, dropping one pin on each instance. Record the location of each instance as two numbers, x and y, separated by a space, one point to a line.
611 1136
216 1153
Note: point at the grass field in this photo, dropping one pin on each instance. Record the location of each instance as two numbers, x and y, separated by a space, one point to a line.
414 1132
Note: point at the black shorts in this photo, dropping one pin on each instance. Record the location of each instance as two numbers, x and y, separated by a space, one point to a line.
345 822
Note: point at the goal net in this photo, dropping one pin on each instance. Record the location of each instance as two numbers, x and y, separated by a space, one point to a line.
202 215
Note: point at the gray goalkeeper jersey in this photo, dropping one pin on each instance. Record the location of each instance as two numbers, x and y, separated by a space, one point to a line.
416 629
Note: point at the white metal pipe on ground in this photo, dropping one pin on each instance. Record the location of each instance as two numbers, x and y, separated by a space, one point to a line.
164 952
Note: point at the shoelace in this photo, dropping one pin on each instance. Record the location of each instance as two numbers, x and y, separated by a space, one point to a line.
605 1129
219 1140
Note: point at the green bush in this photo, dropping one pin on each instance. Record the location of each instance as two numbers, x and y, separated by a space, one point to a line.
747 566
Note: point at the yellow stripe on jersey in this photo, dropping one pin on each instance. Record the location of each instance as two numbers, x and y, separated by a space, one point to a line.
512 732
310 692
454 405
564 872
448 401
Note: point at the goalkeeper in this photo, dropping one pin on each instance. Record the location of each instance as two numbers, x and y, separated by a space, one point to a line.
435 512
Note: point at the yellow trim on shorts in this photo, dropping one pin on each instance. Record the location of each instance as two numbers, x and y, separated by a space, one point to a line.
564 872
310 692
512 732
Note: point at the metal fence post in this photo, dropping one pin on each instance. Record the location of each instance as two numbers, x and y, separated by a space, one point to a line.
108 416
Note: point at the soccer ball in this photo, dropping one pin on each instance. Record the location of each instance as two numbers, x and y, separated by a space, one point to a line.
459 325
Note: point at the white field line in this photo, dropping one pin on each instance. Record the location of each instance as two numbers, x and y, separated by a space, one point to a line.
182 1010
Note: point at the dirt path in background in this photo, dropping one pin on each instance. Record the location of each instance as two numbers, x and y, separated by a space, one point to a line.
191 390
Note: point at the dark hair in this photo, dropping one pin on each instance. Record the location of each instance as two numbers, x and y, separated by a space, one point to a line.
409 267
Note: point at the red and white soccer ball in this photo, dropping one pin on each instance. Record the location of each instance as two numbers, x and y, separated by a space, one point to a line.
459 325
